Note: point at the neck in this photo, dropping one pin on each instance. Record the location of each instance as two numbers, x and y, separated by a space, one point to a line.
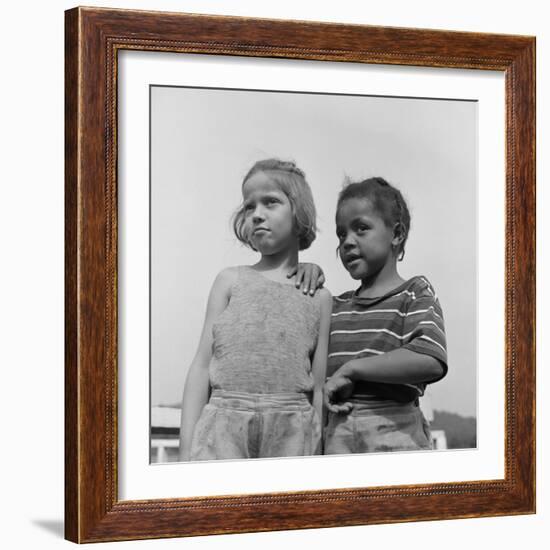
282 260
382 282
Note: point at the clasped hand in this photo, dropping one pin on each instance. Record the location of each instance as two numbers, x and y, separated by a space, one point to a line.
338 389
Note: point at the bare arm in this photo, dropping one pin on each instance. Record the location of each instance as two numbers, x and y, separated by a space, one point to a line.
399 366
196 390
319 363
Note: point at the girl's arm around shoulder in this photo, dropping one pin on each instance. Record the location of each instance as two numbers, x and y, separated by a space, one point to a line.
319 363
308 276
197 385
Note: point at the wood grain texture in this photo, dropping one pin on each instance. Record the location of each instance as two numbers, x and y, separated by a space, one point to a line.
93 38
71 273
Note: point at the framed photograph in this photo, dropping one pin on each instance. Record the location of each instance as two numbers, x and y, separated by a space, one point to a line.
189 138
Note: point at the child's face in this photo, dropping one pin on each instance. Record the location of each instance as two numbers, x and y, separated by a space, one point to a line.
365 240
268 215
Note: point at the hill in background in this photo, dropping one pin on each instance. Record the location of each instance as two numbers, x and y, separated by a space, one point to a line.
460 431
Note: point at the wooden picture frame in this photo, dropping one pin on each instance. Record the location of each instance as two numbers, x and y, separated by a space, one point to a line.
93 511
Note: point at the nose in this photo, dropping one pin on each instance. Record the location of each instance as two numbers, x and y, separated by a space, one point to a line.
258 214
348 242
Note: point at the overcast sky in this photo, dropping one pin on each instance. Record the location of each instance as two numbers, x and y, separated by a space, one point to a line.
204 142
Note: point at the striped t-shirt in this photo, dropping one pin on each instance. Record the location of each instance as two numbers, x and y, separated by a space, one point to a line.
408 317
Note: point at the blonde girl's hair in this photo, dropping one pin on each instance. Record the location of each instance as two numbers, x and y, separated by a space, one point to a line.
292 182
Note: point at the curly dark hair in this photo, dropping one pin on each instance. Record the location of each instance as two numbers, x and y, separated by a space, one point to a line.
386 200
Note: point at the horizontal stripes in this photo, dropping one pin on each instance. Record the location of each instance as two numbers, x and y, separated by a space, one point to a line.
386 331
409 318
407 292
389 337
346 353
396 311
434 324
365 330
420 311
350 294
392 311
424 337
428 287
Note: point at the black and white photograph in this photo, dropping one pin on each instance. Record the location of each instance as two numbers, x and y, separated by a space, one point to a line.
176 174
313 274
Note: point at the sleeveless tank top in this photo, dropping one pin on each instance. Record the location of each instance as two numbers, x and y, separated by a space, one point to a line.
265 338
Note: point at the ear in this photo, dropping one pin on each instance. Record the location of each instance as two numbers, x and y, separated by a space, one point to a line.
398 234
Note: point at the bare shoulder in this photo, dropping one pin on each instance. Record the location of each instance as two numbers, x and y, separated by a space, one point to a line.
225 280
228 274
326 298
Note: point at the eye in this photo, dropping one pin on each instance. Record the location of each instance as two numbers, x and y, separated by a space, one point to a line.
271 200
361 228
341 235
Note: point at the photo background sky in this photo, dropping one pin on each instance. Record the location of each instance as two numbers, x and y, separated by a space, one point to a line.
203 141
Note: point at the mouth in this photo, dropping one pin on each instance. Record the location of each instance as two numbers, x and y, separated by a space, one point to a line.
351 260
260 230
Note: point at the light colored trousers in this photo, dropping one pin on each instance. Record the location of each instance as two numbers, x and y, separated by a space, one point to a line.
250 425
372 429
